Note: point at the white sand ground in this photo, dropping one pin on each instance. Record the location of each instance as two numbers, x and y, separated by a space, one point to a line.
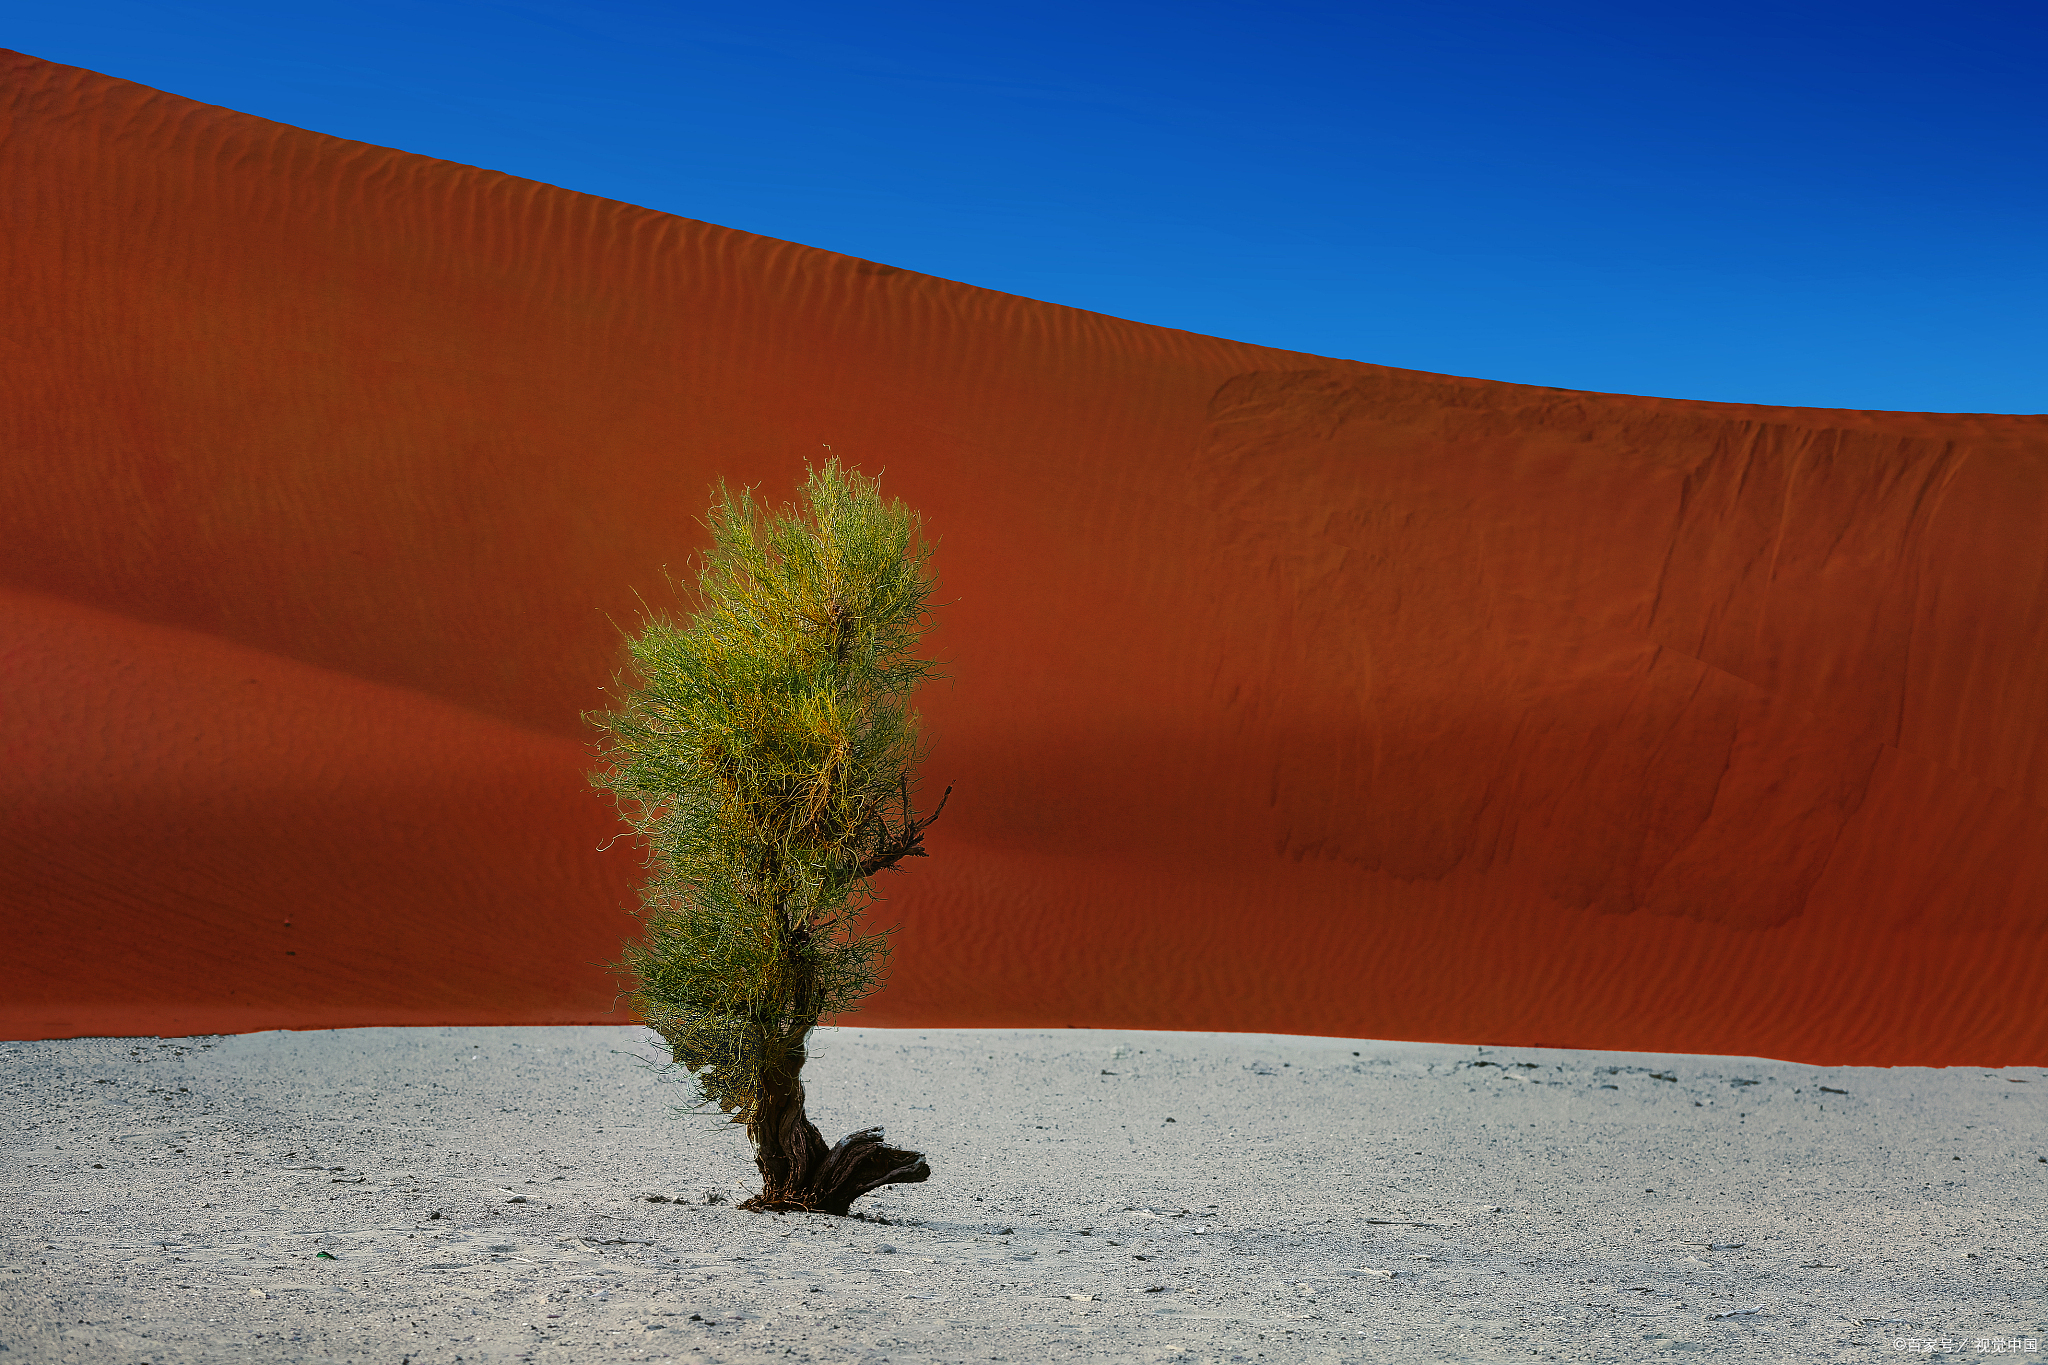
1097 1196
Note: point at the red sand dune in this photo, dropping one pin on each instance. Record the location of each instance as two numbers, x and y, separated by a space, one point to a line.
1291 694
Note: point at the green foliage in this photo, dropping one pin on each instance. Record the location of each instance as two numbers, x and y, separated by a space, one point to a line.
760 760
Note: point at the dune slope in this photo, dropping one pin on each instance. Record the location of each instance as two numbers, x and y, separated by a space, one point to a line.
1290 694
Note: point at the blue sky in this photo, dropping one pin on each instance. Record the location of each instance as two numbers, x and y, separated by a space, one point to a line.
1827 204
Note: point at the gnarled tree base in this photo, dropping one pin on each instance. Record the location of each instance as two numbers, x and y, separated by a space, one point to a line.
861 1162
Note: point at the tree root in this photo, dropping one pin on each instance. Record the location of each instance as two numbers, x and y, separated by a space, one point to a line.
860 1163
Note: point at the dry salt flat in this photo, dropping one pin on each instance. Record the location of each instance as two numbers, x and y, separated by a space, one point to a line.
538 1195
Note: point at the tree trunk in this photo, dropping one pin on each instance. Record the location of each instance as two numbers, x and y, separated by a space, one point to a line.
798 1173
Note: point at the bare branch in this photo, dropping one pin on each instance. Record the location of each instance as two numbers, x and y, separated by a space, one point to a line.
892 847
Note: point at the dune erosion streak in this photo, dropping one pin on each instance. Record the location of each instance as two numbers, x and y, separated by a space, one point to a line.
1289 694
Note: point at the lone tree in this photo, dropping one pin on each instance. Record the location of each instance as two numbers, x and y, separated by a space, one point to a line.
765 761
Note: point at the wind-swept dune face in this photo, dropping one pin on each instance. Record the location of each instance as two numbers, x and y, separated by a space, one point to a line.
1290 694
